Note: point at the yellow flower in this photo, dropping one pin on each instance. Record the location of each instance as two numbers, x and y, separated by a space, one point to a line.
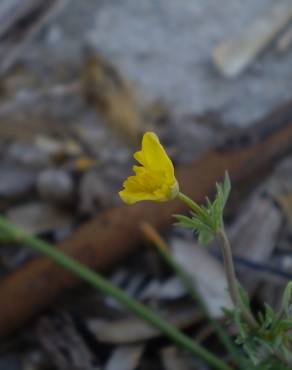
154 179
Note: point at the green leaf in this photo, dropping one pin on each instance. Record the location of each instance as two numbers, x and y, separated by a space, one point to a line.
287 296
226 188
184 221
205 237
203 230
216 209
207 219
285 325
244 296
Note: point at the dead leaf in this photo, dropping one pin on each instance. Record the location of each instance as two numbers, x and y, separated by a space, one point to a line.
125 358
133 329
207 273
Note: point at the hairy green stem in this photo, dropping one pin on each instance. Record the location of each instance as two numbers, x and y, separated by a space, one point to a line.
231 278
193 205
164 251
189 286
228 261
100 283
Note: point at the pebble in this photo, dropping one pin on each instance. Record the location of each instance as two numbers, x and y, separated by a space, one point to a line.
28 155
38 217
55 185
93 193
16 182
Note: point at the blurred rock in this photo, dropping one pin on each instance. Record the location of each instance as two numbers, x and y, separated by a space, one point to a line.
43 151
36 360
93 137
63 343
93 193
55 186
165 48
12 258
16 182
10 361
28 154
20 23
37 217
56 148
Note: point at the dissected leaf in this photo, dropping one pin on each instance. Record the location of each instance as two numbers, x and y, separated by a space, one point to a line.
209 217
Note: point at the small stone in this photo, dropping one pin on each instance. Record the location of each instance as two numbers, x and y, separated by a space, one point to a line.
28 155
10 361
93 193
37 217
56 186
57 148
16 182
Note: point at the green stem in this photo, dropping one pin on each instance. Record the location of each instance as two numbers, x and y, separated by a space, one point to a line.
193 205
231 278
228 261
285 301
98 282
163 249
189 286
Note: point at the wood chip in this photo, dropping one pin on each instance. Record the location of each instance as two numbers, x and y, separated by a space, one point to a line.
133 329
253 235
234 56
125 358
207 273
20 21
37 217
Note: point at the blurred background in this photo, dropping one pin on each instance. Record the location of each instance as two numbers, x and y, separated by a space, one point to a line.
80 82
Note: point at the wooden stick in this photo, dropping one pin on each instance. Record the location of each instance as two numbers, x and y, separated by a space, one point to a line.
107 238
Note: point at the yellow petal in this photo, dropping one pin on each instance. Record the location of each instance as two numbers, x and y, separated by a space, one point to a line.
154 179
131 197
154 155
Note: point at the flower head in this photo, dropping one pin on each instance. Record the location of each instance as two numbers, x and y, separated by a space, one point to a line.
154 179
